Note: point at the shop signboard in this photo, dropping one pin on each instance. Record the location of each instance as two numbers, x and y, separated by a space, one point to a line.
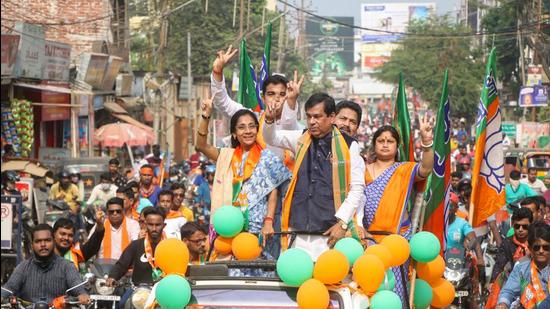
55 113
10 44
92 69
331 46
533 96
7 225
30 57
53 156
510 129
57 60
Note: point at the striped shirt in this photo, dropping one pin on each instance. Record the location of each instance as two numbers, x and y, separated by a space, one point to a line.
31 282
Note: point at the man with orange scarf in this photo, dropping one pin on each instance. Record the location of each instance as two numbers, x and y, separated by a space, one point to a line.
174 218
528 280
119 230
147 189
328 177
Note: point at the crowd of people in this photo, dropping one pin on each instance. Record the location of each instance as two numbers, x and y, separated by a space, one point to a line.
315 181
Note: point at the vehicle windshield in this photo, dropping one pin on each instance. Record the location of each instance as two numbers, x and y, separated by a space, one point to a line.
243 298
539 162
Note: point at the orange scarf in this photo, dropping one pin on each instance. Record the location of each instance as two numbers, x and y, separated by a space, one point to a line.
521 250
534 293
74 255
252 160
173 214
149 249
107 238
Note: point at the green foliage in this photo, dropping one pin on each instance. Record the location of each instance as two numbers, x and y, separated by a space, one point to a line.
424 59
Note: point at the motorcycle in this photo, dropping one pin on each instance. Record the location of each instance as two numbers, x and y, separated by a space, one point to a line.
103 295
139 296
56 209
457 271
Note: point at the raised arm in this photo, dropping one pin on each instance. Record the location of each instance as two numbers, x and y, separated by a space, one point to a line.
201 143
427 163
221 100
287 139
289 119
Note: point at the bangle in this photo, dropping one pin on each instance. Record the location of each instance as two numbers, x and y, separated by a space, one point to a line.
202 134
205 117
426 146
268 219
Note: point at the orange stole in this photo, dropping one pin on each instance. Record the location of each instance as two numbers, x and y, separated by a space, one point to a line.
390 209
174 214
107 238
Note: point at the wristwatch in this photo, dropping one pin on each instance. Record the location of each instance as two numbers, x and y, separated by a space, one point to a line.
343 225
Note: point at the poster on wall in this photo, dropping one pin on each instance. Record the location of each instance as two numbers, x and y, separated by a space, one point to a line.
533 96
25 186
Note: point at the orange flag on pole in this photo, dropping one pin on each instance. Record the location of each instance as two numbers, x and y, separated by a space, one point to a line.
488 194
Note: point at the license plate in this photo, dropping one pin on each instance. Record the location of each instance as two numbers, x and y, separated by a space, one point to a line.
105 297
461 293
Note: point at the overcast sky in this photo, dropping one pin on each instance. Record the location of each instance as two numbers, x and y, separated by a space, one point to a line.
353 7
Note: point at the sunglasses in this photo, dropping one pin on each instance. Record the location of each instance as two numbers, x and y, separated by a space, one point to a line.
114 211
543 247
523 226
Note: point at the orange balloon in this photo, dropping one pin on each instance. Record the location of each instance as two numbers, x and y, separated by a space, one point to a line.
431 271
223 245
312 294
245 246
172 256
399 248
443 293
382 252
368 271
331 267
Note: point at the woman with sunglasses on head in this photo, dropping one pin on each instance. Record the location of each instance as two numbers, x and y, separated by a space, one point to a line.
247 176
528 281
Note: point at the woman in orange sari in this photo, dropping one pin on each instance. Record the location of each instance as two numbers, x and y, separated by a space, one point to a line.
389 185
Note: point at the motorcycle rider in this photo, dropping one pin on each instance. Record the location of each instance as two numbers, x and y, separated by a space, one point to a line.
104 191
528 281
139 254
76 179
147 189
534 204
66 191
128 197
116 176
179 192
9 178
45 274
174 218
63 235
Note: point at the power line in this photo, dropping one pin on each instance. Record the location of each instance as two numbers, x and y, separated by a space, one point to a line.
425 35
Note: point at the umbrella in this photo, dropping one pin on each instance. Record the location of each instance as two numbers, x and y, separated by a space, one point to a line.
118 134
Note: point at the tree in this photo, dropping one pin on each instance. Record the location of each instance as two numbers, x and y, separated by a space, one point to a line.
423 58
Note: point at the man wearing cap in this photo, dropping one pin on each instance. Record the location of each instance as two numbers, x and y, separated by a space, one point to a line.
147 189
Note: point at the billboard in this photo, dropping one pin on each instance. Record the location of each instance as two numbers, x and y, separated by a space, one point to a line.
330 46
56 61
533 96
386 18
10 44
30 57
375 54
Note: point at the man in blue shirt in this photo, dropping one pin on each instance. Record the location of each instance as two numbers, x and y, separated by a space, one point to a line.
528 280
516 190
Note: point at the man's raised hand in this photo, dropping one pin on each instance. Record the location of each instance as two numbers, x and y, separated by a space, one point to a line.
222 58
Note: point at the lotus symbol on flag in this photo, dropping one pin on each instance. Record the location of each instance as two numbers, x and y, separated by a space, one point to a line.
492 166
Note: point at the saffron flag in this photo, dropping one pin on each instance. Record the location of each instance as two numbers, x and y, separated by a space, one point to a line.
264 69
247 95
438 186
402 122
488 194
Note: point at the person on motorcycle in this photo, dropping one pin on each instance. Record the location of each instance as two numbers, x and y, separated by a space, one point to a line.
533 182
66 191
174 218
130 205
116 176
104 191
119 230
516 190
45 275
63 236
139 254
179 191
512 249
534 204
455 180
147 189
528 280
9 178
76 179
195 237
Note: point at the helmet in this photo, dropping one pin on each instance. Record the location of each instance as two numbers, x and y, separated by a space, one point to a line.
186 167
210 169
203 159
73 172
10 176
64 174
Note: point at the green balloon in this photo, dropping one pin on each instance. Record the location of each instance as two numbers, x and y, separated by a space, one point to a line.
385 300
173 292
424 247
423 294
228 221
350 247
294 267
389 282
510 232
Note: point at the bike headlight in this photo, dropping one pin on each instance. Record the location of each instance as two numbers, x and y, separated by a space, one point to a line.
453 275
139 298
102 289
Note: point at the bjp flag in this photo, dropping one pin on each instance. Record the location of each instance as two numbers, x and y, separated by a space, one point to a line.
488 194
